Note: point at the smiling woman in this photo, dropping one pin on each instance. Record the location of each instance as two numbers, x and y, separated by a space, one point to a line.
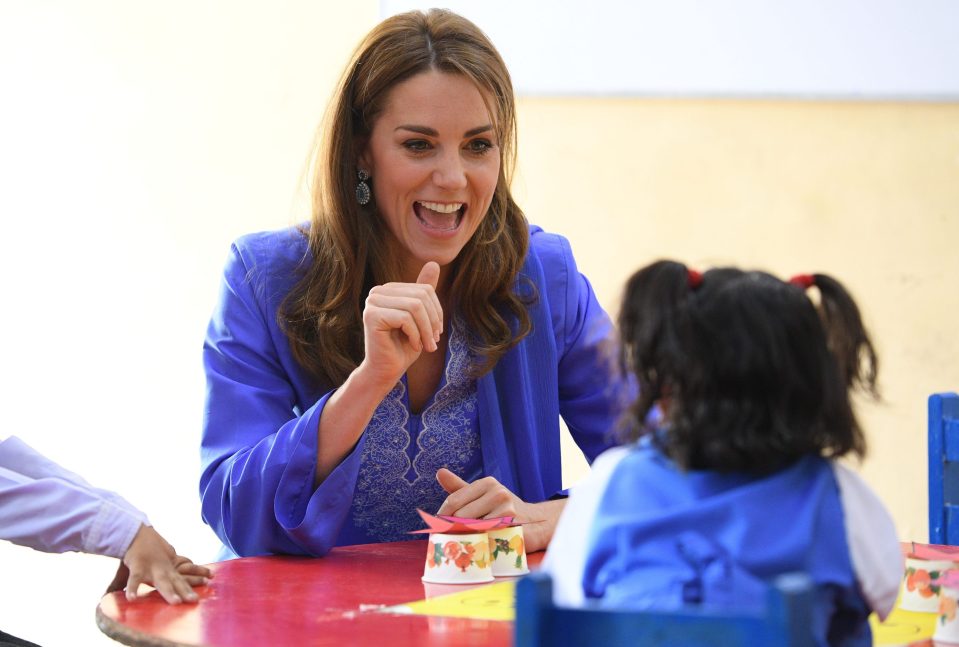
415 345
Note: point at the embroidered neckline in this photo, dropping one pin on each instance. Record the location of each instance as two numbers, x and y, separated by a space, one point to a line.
385 500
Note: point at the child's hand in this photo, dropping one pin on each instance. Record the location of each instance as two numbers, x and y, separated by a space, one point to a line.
194 574
151 560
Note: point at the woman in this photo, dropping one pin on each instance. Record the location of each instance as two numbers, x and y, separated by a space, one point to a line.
414 347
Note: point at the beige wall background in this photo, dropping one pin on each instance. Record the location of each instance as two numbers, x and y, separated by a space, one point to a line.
139 139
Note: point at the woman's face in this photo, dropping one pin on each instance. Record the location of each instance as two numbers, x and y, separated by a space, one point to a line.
434 161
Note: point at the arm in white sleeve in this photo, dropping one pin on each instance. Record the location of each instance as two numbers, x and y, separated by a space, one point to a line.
873 542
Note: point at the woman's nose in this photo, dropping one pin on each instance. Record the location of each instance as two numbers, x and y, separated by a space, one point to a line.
449 172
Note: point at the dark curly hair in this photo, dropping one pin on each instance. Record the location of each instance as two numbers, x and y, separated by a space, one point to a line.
750 373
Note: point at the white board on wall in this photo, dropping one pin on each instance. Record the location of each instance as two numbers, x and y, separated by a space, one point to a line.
868 49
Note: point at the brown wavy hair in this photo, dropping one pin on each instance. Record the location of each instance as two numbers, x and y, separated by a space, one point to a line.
351 248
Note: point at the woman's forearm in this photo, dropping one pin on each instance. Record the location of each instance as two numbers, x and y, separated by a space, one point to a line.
345 417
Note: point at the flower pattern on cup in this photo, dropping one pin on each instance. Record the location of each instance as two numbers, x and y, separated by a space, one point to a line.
947 609
461 553
921 581
507 546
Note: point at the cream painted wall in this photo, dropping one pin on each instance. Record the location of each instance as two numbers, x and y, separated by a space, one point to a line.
138 139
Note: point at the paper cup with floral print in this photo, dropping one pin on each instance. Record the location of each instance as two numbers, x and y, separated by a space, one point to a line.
947 622
457 559
920 589
508 551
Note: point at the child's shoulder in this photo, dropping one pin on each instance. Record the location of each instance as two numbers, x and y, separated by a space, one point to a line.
872 539
641 468
635 461
590 490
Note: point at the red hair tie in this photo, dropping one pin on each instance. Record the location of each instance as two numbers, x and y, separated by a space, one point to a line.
694 278
805 281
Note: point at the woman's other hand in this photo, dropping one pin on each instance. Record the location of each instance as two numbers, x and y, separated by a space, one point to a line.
486 498
151 560
400 321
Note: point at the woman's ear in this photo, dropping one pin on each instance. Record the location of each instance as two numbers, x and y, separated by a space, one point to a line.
363 158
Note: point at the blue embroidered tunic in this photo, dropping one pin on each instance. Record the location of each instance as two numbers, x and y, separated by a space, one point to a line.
262 411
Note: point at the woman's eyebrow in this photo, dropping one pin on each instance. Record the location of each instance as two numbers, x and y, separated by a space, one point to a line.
423 130
476 131
432 132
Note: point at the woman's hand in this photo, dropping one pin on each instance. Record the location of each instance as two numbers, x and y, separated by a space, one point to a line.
151 560
486 498
401 320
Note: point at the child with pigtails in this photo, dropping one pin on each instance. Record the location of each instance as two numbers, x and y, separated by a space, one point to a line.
743 410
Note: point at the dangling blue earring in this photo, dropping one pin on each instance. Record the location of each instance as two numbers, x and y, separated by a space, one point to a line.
362 188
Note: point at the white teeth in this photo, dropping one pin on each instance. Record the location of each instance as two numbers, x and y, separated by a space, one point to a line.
440 207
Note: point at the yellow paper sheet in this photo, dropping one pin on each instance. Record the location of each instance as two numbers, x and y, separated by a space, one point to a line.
491 602
902 627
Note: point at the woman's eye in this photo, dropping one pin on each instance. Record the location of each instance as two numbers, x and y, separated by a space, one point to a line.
479 145
416 145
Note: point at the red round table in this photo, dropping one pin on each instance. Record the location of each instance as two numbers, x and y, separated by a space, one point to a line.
333 600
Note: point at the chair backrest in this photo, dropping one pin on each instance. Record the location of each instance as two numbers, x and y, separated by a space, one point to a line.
944 468
786 620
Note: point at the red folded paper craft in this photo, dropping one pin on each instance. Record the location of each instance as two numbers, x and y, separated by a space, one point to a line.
458 525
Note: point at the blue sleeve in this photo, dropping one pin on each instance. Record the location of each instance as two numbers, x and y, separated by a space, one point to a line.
591 395
259 448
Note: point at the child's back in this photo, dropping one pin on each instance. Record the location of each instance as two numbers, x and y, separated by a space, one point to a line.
736 484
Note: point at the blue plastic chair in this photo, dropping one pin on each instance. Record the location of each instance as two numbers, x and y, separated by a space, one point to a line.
944 468
786 621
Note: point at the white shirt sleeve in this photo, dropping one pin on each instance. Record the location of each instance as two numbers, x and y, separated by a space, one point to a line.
565 558
873 542
48 508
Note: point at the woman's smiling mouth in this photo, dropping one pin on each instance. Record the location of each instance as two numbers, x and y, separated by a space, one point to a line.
441 216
